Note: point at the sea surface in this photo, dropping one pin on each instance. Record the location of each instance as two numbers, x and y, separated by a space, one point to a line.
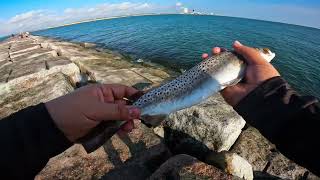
177 41
3 38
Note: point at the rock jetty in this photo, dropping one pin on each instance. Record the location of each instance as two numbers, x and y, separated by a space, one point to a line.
207 141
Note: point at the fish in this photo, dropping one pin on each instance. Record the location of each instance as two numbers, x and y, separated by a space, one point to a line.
195 85
190 88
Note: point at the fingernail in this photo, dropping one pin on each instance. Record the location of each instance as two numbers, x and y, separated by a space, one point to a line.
237 44
205 56
216 50
134 113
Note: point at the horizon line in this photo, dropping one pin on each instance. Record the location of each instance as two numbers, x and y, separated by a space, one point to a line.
156 14
159 14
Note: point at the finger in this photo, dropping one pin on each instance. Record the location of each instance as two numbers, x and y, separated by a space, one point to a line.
120 102
109 111
232 94
216 50
205 56
128 126
118 91
251 55
107 94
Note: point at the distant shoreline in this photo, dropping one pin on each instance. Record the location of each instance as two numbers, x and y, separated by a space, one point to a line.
157 14
160 14
107 18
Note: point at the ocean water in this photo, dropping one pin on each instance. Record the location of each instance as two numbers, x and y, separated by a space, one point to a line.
3 38
177 41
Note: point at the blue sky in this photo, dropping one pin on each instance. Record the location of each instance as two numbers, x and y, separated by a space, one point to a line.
26 15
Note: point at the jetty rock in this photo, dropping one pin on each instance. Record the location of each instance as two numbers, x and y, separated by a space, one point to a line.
187 167
210 126
35 69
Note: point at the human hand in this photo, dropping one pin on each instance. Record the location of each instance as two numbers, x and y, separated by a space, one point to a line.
258 71
75 114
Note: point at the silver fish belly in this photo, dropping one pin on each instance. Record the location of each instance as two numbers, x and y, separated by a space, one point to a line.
195 85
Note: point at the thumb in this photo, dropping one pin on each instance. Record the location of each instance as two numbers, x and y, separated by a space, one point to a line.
251 55
109 111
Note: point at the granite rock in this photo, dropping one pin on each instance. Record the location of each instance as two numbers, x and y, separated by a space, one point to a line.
232 164
263 156
211 126
134 155
32 90
187 167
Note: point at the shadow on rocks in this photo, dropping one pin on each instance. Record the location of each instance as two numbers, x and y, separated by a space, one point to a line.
114 155
141 166
182 143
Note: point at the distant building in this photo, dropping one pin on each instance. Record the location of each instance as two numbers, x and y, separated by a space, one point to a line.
185 10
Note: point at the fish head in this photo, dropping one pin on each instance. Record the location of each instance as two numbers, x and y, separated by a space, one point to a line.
266 53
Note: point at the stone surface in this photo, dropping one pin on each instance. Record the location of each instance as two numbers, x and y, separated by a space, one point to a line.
210 126
232 164
252 146
14 50
32 54
5 71
187 167
26 57
135 155
88 45
31 91
105 67
153 75
263 156
4 55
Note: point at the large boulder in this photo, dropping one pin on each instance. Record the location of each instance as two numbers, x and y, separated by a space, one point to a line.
135 155
22 48
187 167
232 164
210 126
264 156
32 90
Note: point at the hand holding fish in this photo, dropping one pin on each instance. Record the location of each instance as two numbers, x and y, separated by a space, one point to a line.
77 113
104 103
257 71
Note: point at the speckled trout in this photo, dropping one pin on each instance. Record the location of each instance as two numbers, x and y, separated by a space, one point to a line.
192 87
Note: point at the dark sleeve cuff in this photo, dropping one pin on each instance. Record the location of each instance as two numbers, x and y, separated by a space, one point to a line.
268 107
52 139
29 138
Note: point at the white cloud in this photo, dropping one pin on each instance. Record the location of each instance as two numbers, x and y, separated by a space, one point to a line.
39 19
292 14
178 4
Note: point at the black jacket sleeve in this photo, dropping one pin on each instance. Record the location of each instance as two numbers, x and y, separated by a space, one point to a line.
290 121
28 138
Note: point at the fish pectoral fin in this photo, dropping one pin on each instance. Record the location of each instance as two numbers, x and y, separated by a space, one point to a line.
231 83
154 120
